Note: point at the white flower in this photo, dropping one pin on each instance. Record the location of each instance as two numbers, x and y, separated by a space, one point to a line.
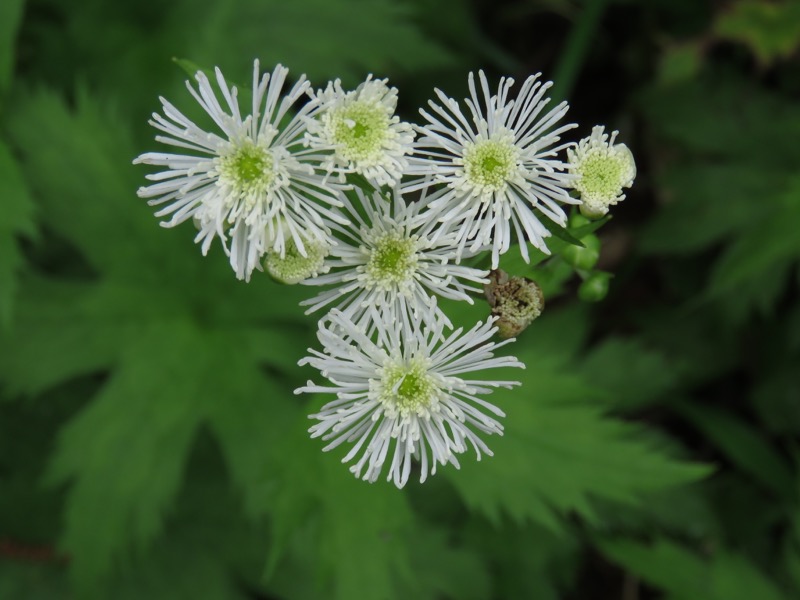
362 128
602 169
387 267
256 183
404 396
498 162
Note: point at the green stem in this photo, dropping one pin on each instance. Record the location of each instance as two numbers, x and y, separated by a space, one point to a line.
575 51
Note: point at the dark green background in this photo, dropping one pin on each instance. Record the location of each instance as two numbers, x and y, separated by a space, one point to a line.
150 443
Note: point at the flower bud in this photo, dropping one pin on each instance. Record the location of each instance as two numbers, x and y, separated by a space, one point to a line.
595 287
293 267
602 169
578 220
515 301
583 258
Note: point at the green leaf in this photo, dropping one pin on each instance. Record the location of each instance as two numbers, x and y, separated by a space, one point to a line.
63 330
733 495
344 536
559 231
29 514
552 277
633 374
686 576
88 198
248 426
770 29
103 44
57 317
125 452
528 561
720 117
792 548
550 271
743 445
558 451
190 68
462 31
359 536
793 566
680 63
513 263
762 247
730 178
79 168
324 40
699 346
208 550
279 346
366 525
686 512
759 296
17 219
708 203
181 342
558 334
179 569
10 18
33 581
442 568
776 398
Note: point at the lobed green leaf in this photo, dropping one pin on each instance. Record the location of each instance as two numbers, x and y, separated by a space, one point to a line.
686 576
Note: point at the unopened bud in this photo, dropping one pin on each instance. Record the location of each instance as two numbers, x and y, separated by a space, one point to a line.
578 220
294 267
583 258
515 301
595 287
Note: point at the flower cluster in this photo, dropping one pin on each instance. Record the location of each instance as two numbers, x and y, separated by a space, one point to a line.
330 188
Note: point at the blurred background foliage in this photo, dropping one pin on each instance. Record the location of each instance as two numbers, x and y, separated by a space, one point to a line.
150 443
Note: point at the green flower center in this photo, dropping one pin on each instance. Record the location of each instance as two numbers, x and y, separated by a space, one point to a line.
601 175
408 388
248 169
360 129
393 261
489 164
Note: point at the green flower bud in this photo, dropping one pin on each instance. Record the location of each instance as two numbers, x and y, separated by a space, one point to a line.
585 258
595 287
577 220
515 301
294 267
